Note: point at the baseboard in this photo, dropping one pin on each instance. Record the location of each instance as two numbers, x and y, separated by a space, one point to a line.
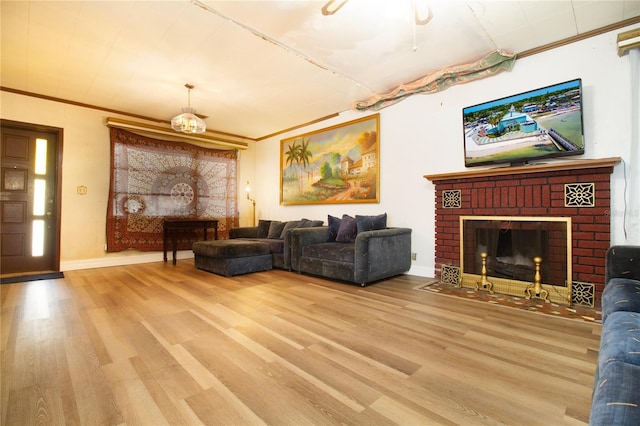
422 271
105 262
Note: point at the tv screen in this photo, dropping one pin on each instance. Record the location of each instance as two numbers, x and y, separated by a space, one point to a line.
529 126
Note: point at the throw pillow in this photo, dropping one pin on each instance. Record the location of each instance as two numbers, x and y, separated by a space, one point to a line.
334 226
263 228
275 229
371 223
348 230
289 225
306 223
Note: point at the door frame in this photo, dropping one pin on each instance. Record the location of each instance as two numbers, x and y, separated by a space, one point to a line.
59 133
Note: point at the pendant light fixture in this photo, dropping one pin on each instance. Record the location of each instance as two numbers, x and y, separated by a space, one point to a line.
188 121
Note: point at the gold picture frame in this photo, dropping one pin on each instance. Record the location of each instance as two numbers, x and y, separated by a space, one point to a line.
334 165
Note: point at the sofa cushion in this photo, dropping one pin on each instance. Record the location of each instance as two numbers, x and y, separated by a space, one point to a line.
620 339
371 223
275 229
620 294
348 230
334 251
263 228
276 246
334 227
616 397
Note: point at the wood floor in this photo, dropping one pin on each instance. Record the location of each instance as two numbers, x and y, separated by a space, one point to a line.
159 344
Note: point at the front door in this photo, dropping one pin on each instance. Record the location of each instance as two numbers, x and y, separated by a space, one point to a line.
29 202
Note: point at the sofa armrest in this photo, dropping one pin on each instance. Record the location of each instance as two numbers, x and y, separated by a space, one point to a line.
622 261
302 237
243 232
381 253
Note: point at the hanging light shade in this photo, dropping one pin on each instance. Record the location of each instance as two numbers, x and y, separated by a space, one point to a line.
188 121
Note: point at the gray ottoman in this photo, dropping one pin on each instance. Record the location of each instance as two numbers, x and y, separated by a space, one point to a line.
232 257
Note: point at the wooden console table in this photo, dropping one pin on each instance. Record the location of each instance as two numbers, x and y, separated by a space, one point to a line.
173 226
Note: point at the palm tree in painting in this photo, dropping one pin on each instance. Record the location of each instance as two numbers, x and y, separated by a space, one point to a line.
292 154
304 154
301 156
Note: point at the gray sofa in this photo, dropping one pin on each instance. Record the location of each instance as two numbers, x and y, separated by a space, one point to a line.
616 395
373 255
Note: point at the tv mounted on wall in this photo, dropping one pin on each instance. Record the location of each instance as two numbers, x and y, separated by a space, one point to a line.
529 126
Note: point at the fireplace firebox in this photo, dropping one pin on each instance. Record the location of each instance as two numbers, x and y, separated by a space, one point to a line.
511 253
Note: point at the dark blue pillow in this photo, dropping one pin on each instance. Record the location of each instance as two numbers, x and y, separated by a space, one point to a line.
334 226
348 230
371 223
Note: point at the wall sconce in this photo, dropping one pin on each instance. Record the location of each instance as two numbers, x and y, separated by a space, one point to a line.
253 201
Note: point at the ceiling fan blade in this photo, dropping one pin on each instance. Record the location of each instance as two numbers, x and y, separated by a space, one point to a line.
327 9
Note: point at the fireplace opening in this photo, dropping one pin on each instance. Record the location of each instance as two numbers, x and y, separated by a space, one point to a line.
513 254
507 246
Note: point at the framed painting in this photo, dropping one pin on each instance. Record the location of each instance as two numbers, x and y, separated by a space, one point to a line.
335 165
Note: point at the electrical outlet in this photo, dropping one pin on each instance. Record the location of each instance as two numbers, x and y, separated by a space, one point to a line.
414 256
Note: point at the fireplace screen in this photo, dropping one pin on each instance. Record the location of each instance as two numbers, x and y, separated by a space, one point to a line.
512 243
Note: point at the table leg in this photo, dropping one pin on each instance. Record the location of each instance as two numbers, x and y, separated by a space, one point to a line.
174 244
164 245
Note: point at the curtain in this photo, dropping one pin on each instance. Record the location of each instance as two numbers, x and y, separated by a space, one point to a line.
438 81
153 179
632 228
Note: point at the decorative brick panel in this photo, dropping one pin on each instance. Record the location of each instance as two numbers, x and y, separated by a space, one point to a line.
532 191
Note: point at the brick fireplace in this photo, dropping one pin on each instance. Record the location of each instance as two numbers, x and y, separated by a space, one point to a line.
579 190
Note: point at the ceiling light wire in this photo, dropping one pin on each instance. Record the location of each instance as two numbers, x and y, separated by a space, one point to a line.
414 19
278 43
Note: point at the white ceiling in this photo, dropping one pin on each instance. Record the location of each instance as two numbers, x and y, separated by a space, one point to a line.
260 67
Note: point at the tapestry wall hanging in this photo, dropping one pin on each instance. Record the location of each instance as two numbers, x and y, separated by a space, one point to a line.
154 179
339 164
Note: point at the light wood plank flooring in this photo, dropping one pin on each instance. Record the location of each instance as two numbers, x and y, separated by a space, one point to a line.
159 344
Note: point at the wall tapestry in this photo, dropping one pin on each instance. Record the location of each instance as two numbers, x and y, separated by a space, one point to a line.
339 164
154 179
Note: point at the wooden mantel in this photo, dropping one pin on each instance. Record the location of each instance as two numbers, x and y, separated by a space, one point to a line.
533 168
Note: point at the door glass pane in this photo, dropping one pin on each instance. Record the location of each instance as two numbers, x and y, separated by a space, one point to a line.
39 186
41 156
37 241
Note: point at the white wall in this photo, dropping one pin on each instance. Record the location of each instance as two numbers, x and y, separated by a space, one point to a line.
421 135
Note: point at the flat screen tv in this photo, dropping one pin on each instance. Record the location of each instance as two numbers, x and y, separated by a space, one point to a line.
530 126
